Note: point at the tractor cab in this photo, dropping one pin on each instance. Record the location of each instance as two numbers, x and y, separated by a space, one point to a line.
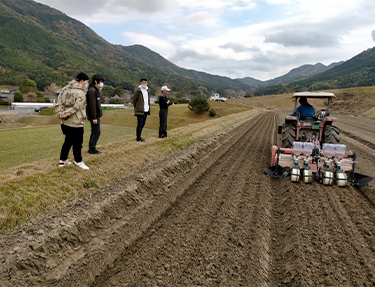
318 116
311 126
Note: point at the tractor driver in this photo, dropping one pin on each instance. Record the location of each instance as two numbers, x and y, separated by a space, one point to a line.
305 109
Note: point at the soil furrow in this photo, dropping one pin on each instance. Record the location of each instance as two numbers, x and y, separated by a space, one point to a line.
218 242
207 216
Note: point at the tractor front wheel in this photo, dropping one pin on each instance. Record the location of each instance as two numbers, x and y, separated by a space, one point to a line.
331 134
288 135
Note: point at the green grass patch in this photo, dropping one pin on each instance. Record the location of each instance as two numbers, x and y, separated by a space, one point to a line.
27 145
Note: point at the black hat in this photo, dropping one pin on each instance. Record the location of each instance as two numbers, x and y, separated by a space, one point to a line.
81 76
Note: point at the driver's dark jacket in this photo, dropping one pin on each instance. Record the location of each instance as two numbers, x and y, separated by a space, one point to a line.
305 110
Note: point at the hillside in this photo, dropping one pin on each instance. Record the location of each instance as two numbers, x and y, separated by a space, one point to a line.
42 43
156 60
356 72
293 75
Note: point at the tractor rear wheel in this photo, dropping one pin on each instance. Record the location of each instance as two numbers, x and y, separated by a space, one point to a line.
331 134
288 135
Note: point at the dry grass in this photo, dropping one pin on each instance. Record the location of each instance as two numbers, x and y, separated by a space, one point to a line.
359 100
31 189
7 87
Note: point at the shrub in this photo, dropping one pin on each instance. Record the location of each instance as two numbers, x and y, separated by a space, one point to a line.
18 97
48 111
199 105
39 94
212 113
115 101
178 100
27 86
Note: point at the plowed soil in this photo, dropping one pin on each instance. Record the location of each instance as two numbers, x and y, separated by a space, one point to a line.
208 216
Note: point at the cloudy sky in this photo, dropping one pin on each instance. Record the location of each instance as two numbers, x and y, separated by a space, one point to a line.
262 39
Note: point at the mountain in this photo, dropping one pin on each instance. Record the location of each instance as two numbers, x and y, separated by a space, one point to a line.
156 60
300 73
46 45
252 82
358 71
293 75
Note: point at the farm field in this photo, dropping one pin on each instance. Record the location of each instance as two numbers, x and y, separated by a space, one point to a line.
206 214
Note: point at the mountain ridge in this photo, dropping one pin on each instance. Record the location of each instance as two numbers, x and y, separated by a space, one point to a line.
293 75
357 71
46 45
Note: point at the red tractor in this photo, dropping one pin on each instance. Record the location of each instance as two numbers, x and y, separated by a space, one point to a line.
310 128
310 147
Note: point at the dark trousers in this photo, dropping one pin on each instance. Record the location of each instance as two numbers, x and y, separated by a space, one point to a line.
163 115
141 121
95 134
73 137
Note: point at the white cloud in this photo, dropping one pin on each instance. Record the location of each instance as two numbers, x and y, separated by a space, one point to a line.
202 18
160 45
238 47
258 38
302 38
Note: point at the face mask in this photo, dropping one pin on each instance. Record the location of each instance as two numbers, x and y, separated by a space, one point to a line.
101 85
144 86
86 87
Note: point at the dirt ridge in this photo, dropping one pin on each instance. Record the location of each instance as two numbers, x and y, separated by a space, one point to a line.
49 253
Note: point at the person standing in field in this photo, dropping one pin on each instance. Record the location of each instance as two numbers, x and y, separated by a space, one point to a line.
141 103
164 103
71 110
94 111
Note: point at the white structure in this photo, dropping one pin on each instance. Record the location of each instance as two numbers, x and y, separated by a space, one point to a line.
216 97
21 105
114 106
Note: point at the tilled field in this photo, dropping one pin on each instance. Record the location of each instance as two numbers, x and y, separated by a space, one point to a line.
207 216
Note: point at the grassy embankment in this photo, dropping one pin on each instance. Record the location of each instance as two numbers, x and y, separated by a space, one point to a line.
31 182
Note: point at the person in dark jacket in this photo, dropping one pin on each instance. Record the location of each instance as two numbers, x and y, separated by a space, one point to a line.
141 103
305 109
164 103
94 111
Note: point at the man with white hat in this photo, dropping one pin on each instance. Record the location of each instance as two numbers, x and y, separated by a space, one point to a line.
164 103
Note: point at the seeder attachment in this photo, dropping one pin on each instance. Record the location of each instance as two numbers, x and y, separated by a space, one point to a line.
356 179
307 173
327 165
296 172
276 171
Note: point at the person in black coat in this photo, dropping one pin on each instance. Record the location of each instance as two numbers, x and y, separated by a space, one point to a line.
164 103
94 111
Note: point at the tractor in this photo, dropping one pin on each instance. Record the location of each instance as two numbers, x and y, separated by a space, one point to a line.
310 148
318 126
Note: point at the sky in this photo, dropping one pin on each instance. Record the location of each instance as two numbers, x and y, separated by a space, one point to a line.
262 39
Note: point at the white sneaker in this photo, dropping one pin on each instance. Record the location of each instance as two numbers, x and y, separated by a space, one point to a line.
81 164
63 163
